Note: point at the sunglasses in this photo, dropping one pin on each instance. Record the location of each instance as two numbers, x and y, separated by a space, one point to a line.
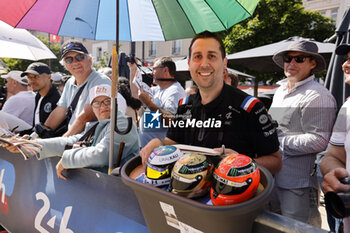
297 59
79 57
346 59
98 104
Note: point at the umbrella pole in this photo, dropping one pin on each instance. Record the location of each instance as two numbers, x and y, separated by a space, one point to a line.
113 107
115 74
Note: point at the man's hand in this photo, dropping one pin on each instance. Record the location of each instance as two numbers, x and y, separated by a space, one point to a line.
14 149
153 144
132 67
331 181
133 87
60 169
145 153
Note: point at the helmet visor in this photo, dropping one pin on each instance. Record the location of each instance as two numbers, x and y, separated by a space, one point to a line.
157 172
185 184
227 187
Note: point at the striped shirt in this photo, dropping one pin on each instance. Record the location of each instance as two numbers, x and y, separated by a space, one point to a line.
305 115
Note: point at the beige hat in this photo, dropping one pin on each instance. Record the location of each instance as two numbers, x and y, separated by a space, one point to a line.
101 90
302 46
16 75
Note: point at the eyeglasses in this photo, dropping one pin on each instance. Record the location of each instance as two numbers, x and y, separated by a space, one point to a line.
98 104
297 59
79 57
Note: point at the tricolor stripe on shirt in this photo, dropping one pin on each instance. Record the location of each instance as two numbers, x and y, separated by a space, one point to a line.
184 100
248 103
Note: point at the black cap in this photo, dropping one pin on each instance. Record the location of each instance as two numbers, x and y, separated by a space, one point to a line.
73 45
37 68
342 49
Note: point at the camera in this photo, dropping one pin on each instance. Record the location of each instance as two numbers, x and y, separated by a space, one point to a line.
338 204
130 58
43 131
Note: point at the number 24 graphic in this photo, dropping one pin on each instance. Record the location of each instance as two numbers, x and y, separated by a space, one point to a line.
51 223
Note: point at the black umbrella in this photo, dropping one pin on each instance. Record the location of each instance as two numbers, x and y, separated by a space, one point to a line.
335 75
259 59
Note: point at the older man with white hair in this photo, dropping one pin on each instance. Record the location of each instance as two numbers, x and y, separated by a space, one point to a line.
74 104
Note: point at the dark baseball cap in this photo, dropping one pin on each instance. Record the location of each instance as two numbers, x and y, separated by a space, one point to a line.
73 45
37 68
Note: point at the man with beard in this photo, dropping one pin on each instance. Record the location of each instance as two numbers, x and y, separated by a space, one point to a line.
236 120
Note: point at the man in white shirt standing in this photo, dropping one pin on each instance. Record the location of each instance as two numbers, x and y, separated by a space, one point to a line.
336 163
165 96
305 112
20 105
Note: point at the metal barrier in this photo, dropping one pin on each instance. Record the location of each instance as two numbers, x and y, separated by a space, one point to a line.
33 199
275 223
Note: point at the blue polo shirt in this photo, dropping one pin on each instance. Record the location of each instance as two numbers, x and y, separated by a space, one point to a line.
70 90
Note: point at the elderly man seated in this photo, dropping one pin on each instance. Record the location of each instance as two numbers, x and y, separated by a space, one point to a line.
91 148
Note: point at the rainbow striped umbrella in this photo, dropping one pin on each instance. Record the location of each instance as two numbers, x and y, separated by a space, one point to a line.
125 20
139 20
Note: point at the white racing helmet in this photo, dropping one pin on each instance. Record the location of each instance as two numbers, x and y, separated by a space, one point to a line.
160 164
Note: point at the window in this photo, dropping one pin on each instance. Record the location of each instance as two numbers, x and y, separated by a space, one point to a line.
153 48
176 47
334 14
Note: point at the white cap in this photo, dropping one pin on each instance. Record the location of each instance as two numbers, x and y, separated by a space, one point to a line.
57 77
16 75
101 90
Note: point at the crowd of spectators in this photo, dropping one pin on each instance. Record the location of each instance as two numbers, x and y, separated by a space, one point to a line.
71 116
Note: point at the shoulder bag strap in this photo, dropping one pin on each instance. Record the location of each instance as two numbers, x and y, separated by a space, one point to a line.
76 98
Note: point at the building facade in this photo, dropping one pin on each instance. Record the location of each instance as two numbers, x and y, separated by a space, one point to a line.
333 9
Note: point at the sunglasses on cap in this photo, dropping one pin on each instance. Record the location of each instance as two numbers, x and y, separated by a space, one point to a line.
71 44
78 57
97 104
297 59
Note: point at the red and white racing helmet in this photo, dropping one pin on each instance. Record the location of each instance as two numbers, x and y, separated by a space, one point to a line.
236 179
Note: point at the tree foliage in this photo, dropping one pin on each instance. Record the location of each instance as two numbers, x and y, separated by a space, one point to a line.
273 21
103 60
